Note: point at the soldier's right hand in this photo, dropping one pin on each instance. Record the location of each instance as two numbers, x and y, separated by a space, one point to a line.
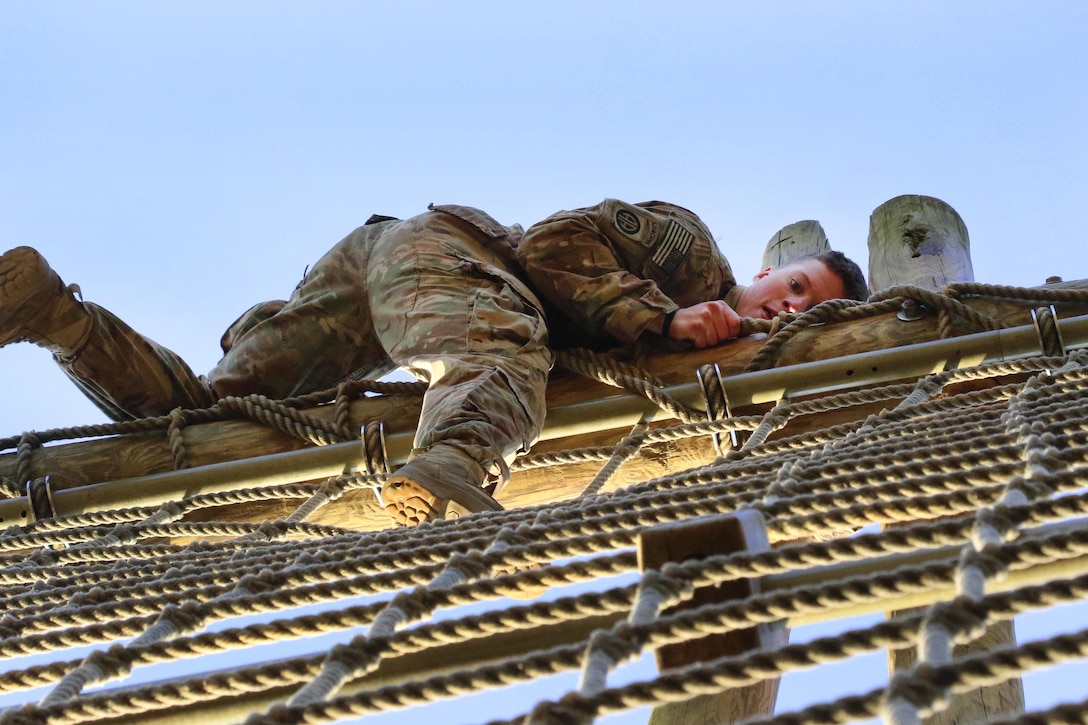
705 324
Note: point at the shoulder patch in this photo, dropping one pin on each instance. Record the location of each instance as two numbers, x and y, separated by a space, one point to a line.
627 222
673 247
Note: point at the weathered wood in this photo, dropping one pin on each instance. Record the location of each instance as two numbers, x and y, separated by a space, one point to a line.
983 703
734 706
917 240
136 454
86 462
677 542
793 241
922 241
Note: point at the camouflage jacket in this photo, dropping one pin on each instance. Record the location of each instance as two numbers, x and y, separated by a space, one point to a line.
614 270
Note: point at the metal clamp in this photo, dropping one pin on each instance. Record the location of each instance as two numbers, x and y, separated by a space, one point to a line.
1045 320
40 495
717 403
375 454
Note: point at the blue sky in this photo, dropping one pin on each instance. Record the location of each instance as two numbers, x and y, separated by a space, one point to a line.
182 161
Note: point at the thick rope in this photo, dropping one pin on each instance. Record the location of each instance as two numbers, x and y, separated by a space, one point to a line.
1010 456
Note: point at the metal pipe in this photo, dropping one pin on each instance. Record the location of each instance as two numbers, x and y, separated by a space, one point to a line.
621 411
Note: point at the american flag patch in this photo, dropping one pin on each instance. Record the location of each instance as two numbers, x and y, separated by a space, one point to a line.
673 247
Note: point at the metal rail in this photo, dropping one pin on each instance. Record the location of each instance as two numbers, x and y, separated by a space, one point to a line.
621 411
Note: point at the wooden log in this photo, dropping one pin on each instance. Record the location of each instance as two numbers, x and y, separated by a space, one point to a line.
92 461
917 240
793 241
922 241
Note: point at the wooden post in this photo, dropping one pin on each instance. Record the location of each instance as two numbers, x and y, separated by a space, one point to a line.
982 703
795 240
742 531
922 241
917 240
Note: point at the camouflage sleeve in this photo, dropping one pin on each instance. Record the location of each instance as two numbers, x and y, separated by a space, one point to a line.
591 264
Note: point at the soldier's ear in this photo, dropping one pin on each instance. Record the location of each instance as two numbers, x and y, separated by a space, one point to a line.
762 273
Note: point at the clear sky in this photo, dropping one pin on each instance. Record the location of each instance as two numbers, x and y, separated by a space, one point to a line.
181 161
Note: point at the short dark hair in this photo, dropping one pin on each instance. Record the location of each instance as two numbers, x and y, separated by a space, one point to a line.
853 281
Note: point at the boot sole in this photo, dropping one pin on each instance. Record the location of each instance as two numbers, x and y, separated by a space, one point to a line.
24 275
410 503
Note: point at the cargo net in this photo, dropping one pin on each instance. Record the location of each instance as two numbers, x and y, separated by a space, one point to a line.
958 506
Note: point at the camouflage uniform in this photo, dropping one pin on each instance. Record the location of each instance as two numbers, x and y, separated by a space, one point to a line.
614 270
438 294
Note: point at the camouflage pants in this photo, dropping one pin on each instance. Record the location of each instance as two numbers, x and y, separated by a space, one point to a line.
435 294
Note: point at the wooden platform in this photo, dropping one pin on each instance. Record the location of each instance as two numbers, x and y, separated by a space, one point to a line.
111 459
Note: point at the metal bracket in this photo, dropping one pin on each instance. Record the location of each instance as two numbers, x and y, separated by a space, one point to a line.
1045 320
717 404
375 453
375 458
40 495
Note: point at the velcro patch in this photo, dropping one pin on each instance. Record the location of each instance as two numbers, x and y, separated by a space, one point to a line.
627 222
673 247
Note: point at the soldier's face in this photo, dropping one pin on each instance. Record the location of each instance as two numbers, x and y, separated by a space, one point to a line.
793 287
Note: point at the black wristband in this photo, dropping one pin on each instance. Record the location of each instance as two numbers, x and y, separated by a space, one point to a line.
667 323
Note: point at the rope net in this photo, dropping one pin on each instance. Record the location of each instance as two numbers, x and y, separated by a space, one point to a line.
956 506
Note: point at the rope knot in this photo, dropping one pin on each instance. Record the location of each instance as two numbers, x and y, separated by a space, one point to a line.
113 662
263 581
9 627
908 697
411 605
469 566
571 709
272 530
961 618
94 595
122 534
616 645
672 583
357 655
993 527
778 322
333 487
976 567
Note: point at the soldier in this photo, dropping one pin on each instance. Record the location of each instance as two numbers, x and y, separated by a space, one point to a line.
436 294
618 271
443 296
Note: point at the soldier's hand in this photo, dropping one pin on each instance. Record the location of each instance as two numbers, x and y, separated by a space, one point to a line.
705 324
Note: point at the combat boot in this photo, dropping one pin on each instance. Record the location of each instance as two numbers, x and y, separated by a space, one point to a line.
36 306
441 482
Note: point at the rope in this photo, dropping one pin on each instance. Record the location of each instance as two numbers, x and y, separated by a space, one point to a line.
1000 459
610 371
625 450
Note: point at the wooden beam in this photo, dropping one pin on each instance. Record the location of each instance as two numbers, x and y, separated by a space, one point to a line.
72 465
917 240
682 541
793 241
983 703
922 241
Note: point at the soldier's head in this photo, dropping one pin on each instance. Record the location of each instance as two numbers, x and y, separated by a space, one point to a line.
802 283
